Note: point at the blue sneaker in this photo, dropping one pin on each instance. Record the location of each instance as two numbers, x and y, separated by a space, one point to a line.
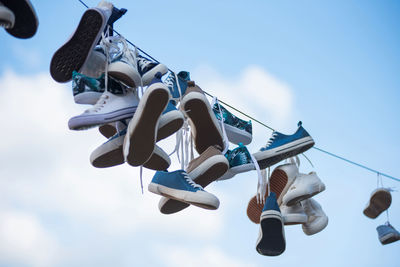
170 122
179 186
281 147
148 69
237 130
171 82
87 90
142 129
271 238
387 234
239 161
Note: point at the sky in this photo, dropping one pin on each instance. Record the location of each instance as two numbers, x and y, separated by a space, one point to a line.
331 64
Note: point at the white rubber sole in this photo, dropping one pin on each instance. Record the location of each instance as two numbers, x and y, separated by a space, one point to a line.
294 218
108 154
270 157
200 198
237 136
87 98
149 76
125 74
7 17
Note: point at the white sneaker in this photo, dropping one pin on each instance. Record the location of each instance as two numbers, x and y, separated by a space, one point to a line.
305 186
124 66
317 220
293 214
109 108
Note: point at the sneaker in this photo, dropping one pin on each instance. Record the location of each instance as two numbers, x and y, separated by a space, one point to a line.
87 90
148 69
271 238
280 181
142 129
109 108
387 234
179 186
239 162
170 122
293 214
281 147
7 17
204 125
205 169
177 84
110 154
317 220
379 201
237 130
23 22
75 52
123 66
305 186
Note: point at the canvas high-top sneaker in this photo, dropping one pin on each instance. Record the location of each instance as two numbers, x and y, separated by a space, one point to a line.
177 85
109 108
148 69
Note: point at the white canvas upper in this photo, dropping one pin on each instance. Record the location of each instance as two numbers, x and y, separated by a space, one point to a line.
317 219
305 186
109 102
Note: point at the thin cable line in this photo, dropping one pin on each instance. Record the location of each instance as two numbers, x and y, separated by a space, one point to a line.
263 124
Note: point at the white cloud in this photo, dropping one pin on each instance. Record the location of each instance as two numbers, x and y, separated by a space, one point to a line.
255 92
24 240
210 256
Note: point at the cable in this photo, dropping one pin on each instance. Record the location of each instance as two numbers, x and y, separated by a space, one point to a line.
263 124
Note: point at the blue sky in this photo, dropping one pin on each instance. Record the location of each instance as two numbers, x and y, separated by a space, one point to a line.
332 64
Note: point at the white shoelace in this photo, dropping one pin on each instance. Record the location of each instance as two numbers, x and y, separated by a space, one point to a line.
99 104
271 139
191 182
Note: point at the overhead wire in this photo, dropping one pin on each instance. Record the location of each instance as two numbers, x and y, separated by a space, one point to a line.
263 124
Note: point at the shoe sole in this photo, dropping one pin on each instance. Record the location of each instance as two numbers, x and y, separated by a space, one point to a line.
149 76
278 184
159 160
108 154
237 136
203 178
293 219
181 196
379 202
389 238
74 53
83 122
142 129
107 130
125 73
169 124
207 133
271 241
268 158
26 22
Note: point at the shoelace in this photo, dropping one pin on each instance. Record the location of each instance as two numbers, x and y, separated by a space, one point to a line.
143 62
99 104
262 182
191 182
271 139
